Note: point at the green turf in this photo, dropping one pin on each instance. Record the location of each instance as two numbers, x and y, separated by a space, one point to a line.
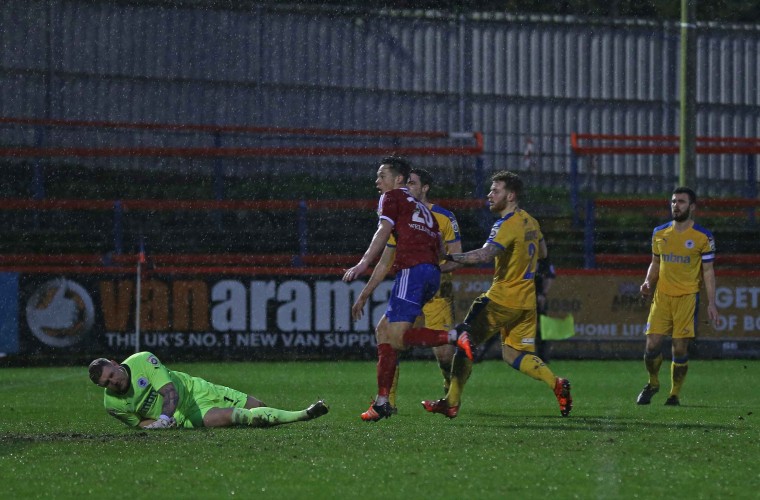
508 441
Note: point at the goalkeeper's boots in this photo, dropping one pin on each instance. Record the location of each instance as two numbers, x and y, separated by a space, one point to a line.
672 401
317 409
441 406
565 400
645 396
463 340
377 412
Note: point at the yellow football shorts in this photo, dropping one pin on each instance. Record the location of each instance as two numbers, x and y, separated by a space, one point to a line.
675 316
517 327
438 312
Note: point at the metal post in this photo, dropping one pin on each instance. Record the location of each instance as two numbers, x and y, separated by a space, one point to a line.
574 188
218 170
751 188
479 192
138 299
589 261
38 183
479 189
138 293
303 232
118 231
218 179
687 149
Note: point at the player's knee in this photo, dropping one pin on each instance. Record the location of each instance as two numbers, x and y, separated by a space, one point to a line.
397 342
680 351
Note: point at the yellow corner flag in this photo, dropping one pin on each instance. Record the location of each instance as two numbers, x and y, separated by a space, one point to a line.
557 328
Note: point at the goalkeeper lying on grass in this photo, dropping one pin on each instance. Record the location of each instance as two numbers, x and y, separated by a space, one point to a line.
142 392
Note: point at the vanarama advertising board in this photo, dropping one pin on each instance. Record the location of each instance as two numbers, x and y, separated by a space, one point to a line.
260 316
309 315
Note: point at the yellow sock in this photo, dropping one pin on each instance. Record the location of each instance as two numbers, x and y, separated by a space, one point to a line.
394 388
653 364
534 367
446 372
461 368
678 371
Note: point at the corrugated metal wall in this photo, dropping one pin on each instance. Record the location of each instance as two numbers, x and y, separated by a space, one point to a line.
520 80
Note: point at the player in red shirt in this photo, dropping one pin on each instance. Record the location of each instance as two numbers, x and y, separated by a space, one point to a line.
417 254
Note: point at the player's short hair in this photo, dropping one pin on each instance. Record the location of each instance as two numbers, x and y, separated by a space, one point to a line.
688 191
426 178
96 369
511 181
398 165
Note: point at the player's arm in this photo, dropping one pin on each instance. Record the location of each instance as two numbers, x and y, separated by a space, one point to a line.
543 250
449 266
547 284
376 246
546 271
653 274
486 253
378 275
708 275
171 399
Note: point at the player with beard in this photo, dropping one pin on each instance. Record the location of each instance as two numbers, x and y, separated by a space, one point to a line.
415 262
509 306
681 249
142 392
438 312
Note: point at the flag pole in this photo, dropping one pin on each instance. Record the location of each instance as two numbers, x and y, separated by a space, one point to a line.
138 293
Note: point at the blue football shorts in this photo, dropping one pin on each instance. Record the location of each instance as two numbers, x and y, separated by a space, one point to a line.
411 290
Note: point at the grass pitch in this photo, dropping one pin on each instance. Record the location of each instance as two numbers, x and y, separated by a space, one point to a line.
56 441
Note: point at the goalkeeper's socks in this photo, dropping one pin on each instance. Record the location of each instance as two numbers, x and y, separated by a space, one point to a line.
266 417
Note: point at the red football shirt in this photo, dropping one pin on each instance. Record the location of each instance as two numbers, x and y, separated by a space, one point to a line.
414 227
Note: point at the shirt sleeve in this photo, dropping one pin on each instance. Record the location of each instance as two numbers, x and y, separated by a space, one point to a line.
708 249
655 250
388 209
451 231
130 419
157 373
500 236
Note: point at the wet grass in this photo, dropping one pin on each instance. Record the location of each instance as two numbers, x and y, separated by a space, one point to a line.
509 439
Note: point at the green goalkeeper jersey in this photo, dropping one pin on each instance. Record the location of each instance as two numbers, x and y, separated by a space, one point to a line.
142 401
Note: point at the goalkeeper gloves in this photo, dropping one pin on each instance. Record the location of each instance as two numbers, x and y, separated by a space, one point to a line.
163 422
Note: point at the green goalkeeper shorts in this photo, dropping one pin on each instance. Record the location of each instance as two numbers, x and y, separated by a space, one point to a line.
203 397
